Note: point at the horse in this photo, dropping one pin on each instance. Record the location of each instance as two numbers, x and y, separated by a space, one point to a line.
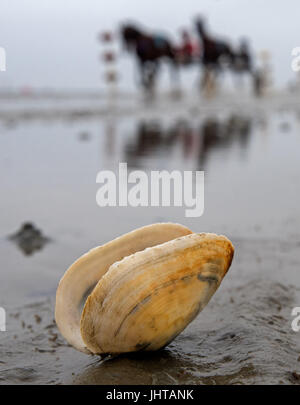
149 51
216 54
242 61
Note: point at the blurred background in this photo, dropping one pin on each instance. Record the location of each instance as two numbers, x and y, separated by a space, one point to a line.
55 45
160 85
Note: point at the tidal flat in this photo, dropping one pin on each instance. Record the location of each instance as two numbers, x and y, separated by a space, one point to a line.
250 157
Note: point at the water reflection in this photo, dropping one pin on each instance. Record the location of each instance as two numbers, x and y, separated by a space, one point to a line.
195 141
221 135
110 131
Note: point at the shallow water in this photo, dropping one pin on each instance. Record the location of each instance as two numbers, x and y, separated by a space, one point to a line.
252 176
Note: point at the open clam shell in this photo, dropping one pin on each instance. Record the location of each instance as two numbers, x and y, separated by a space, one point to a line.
144 299
83 275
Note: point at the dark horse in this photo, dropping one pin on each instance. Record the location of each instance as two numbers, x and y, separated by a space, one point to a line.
149 50
217 54
214 51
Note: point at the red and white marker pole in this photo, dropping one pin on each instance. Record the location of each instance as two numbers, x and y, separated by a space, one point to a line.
108 59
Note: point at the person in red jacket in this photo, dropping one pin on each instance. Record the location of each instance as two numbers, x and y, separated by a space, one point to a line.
188 49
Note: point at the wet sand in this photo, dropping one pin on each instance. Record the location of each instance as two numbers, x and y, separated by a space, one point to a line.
252 174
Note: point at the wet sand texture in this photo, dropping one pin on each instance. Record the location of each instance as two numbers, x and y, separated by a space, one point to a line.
252 176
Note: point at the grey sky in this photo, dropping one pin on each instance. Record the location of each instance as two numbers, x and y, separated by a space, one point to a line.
53 43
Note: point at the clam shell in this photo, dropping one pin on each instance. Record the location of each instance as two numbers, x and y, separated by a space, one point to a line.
145 300
82 276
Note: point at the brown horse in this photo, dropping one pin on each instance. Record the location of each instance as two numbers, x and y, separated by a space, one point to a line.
149 51
217 54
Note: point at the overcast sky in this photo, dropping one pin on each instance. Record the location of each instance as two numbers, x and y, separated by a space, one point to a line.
54 43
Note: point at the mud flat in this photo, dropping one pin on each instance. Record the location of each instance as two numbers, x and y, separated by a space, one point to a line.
70 106
252 176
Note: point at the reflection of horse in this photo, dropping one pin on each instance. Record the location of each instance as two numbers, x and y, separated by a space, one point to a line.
149 51
221 135
197 143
